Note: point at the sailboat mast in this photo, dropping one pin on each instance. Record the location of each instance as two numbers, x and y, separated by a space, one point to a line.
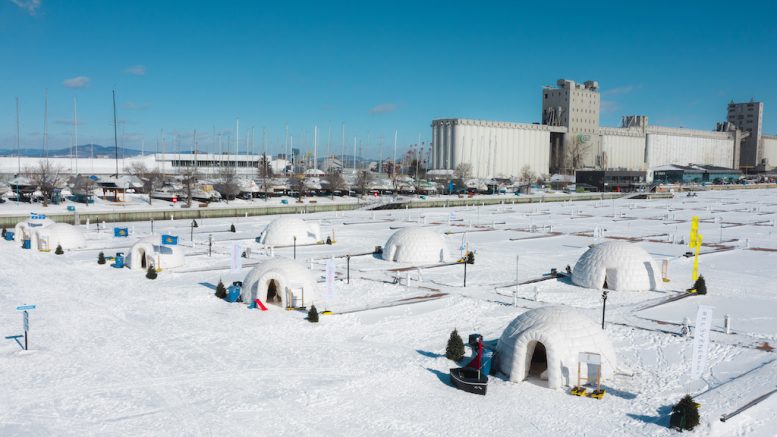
46 124
75 128
115 136
18 140
315 147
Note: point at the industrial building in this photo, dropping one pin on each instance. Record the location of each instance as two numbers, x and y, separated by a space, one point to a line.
570 138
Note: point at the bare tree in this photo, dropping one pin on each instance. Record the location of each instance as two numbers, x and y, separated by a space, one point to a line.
577 151
227 185
335 180
463 171
527 175
363 179
297 183
189 177
265 172
46 177
151 178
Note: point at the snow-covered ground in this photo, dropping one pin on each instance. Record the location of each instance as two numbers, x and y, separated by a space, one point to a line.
113 353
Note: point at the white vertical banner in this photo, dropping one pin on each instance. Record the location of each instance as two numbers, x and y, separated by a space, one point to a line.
235 261
701 340
330 278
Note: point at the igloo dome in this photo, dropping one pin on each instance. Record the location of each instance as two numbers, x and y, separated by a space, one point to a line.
280 281
621 266
281 232
24 230
151 251
546 343
58 234
415 245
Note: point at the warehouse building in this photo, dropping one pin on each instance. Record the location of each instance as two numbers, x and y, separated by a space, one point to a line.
570 138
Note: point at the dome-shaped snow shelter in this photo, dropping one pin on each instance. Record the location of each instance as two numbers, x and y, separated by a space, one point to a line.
59 234
280 281
546 343
415 245
24 230
617 265
151 251
281 232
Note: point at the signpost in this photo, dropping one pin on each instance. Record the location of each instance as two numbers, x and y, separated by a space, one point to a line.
25 320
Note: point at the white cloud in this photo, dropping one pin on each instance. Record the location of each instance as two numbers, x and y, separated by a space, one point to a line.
77 82
135 106
383 108
69 122
136 70
609 106
31 6
626 89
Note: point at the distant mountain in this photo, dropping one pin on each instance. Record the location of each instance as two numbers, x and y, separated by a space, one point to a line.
84 151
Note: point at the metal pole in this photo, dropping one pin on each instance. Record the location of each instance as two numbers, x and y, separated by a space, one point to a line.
348 269
295 247
210 243
604 305
465 271
152 225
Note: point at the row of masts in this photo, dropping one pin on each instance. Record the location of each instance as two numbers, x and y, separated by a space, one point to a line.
249 141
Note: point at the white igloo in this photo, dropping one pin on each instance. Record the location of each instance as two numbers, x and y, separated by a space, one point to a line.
151 251
622 266
545 343
415 245
24 229
280 281
59 234
281 232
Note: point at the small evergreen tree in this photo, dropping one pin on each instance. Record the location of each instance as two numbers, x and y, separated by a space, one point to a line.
59 250
313 314
151 272
221 290
700 285
101 258
685 415
4 231
470 258
455 348
232 228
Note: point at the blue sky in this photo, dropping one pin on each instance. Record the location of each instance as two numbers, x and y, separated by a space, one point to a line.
375 66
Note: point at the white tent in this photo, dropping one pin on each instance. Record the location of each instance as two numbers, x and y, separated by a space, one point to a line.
59 234
151 251
281 232
415 245
546 342
280 281
24 230
623 266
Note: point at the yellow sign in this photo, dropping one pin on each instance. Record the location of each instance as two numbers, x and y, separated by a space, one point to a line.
695 243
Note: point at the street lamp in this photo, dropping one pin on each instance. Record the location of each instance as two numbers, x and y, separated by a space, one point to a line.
604 305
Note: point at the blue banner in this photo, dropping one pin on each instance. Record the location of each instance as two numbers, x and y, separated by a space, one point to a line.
36 216
120 232
170 240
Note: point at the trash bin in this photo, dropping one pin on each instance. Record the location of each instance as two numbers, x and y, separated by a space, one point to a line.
233 293
285 201
9 235
119 260
71 208
26 244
